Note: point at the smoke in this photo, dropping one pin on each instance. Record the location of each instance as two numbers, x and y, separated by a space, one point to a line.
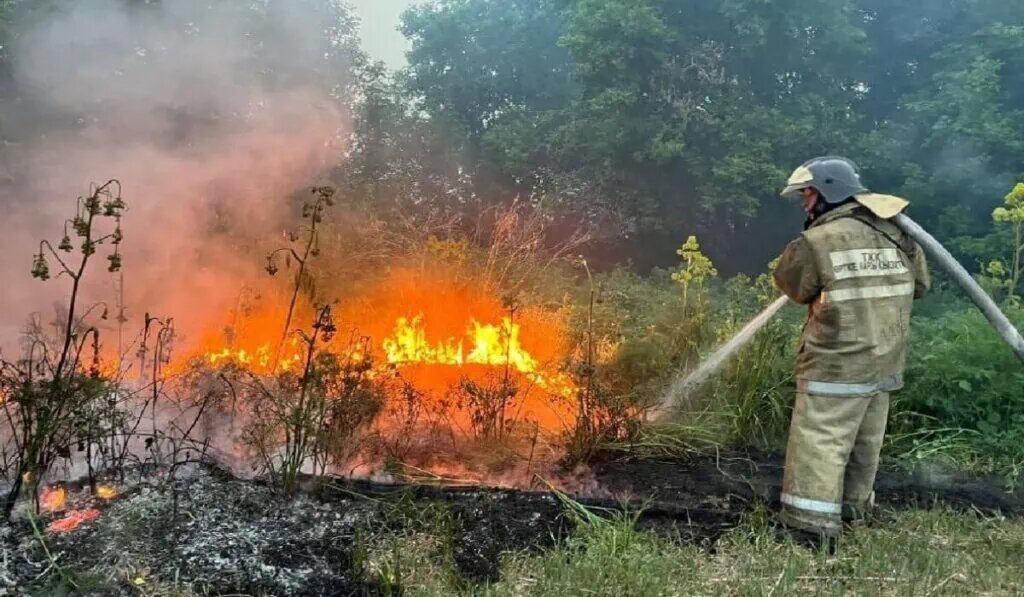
212 116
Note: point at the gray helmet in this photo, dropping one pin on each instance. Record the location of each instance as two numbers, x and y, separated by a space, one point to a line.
836 178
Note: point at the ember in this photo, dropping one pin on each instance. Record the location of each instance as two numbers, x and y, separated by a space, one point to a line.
73 520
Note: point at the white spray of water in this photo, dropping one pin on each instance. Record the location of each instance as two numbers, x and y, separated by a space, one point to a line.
685 384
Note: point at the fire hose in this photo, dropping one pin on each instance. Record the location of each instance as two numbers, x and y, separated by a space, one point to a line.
685 385
974 291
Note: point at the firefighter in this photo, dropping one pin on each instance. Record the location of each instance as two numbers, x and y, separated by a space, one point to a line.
859 276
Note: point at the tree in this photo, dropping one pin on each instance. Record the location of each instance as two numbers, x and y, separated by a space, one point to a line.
688 114
665 114
945 92
472 60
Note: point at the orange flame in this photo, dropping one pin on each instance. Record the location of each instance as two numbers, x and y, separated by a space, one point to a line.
106 492
492 345
250 342
73 520
260 360
53 499
432 330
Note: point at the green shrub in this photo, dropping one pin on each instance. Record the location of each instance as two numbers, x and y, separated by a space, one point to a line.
643 331
656 339
963 380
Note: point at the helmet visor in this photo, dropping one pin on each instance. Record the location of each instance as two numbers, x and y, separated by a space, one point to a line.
793 191
802 178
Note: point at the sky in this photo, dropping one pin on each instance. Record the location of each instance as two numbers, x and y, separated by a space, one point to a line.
381 38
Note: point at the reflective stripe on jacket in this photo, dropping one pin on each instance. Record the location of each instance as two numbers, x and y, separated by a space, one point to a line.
859 276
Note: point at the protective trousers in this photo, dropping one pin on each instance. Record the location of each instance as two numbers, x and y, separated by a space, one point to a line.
831 460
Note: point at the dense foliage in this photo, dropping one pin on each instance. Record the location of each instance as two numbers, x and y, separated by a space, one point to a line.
654 119
651 120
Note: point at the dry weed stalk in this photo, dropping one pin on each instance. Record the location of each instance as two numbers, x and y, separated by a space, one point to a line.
313 418
51 391
519 247
313 213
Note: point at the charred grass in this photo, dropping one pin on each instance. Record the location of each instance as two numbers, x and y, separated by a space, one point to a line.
696 531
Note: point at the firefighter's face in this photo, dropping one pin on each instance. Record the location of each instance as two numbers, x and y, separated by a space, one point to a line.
810 199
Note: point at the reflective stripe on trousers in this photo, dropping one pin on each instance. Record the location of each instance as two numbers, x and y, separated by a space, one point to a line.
829 388
812 505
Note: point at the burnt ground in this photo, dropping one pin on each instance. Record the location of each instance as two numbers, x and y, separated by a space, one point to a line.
215 534
733 482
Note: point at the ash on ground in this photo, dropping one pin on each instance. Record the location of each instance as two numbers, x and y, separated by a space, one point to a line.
197 529
206 532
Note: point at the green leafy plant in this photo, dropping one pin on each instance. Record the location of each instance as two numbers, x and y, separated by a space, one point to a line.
696 269
1012 214
962 394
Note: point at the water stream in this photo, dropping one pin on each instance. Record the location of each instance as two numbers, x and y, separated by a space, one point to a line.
684 384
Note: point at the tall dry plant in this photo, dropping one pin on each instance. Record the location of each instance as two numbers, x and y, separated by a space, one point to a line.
521 244
308 239
311 418
50 394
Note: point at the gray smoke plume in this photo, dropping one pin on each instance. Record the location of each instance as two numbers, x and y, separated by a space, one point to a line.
211 114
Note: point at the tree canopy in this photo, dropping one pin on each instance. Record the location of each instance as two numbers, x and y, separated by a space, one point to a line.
681 116
656 119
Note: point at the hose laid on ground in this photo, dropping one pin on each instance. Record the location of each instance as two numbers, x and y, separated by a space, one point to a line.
683 386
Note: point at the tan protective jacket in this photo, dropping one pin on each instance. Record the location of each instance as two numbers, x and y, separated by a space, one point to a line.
859 275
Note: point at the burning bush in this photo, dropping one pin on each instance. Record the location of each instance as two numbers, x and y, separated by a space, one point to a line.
435 344
422 356
434 347
313 417
440 352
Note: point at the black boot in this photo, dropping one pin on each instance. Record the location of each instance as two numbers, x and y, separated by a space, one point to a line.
870 518
812 540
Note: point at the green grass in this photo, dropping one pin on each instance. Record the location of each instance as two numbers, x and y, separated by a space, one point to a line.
912 553
415 564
